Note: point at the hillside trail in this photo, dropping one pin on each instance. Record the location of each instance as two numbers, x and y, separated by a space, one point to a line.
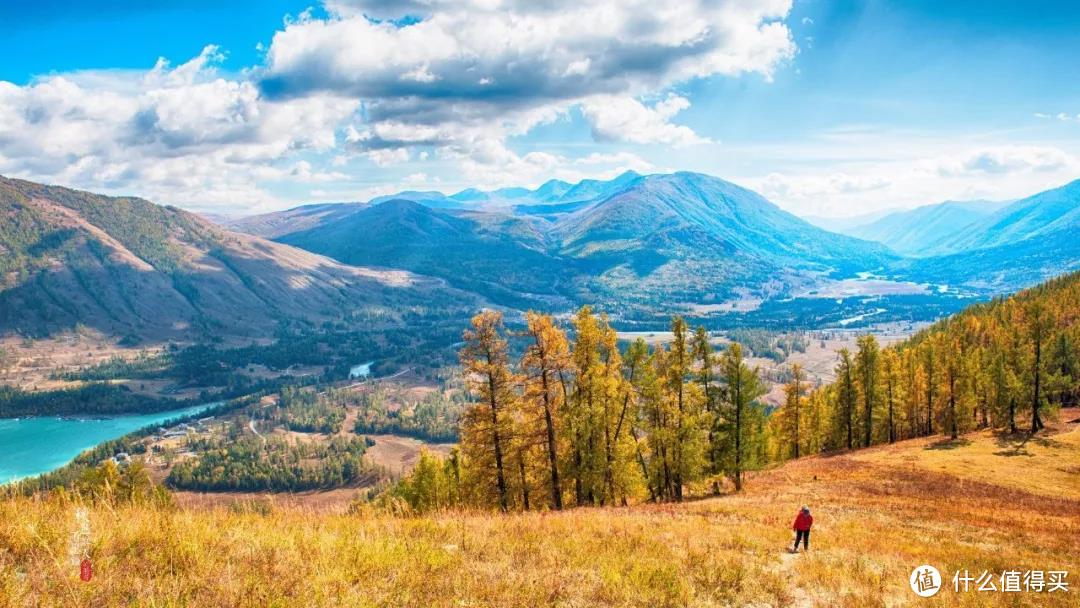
799 597
251 425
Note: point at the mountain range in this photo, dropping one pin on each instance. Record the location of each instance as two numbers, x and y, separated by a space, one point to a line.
682 241
639 246
916 232
636 243
128 267
1020 244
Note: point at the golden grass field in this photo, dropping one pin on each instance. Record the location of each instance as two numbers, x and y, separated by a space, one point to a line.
983 502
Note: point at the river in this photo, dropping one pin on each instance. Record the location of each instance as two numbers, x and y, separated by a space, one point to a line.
38 444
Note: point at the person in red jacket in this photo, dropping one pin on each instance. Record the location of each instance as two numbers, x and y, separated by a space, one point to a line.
802 524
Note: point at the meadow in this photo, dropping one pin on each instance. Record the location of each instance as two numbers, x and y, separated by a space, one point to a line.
978 503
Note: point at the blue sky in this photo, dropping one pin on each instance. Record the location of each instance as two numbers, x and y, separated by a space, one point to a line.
826 107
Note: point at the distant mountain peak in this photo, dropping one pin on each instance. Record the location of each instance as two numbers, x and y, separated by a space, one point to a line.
399 204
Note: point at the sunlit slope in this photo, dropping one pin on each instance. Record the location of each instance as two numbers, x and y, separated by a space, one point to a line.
128 267
978 504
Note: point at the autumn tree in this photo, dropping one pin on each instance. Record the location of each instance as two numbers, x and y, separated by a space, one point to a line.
793 397
930 369
866 362
705 360
546 360
893 385
1039 325
486 363
952 362
616 390
637 373
1064 370
689 419
743 388
657 424
678 370
846 396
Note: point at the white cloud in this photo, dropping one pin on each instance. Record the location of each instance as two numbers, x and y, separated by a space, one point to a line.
1060 116
183 135
499 167
302 171
810 187
417 179
627 119
420 74
470 74
455 85
385 157
849 172
1004 159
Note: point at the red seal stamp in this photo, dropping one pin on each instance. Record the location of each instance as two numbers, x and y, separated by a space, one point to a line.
86 571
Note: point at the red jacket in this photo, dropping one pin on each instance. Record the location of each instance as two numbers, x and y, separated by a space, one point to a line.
803 522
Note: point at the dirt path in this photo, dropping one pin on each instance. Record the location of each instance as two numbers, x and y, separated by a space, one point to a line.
349 424
788 560
251 425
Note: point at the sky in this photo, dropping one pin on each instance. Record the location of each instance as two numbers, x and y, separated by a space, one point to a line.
827 107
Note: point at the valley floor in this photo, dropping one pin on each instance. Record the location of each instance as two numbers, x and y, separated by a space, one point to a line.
984 502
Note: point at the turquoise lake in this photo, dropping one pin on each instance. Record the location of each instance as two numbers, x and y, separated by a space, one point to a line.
35 445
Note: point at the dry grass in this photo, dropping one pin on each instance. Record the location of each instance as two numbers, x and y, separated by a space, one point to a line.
397 454
878 514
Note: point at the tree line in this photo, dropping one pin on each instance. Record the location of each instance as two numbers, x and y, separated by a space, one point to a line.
1005 365
583 422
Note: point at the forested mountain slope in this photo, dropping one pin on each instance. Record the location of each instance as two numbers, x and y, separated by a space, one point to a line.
1039 216
914 231
1007 364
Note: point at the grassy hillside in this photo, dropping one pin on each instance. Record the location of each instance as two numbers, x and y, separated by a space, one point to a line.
987 502
128 267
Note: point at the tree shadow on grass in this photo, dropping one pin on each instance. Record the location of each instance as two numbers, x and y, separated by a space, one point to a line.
1015 444
948 444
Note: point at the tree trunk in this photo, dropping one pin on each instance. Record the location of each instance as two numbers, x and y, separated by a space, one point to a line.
797 389
678 443
738 433
1036 422
892 432
524 481
952 405
849 407
553 457
500 480
653 496
869 401
1012 414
